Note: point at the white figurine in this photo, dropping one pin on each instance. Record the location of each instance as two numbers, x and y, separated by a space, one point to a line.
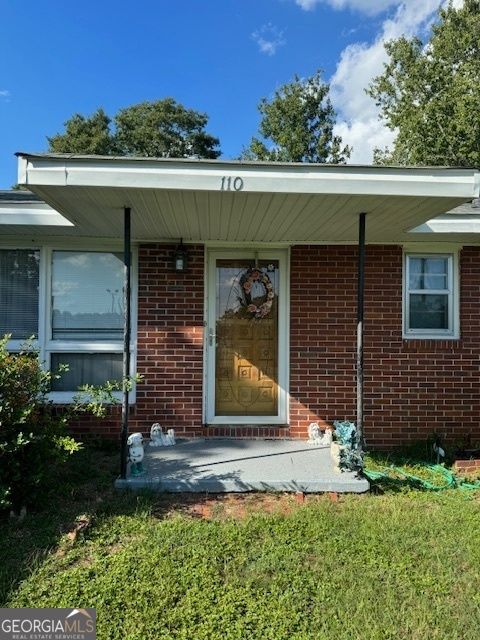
315 435
136 453
328 437
160 439
170 437
156 435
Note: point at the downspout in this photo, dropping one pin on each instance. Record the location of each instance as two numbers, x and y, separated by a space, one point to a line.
360 327
127 326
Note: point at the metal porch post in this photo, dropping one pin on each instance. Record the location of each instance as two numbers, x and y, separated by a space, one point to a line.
127 323
360 309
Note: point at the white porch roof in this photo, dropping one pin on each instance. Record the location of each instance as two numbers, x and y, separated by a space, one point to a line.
275 202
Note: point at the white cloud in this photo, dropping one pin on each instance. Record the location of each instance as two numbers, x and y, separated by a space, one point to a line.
359 63
370 7
268 38
364 135
5 95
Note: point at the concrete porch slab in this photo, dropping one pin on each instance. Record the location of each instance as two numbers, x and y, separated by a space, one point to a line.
224 465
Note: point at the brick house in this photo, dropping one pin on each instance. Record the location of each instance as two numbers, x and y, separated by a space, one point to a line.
245 286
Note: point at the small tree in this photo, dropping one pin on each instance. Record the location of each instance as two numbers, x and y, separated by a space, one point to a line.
297 125
163 129
430 93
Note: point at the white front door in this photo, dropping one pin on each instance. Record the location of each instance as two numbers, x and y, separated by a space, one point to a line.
247 337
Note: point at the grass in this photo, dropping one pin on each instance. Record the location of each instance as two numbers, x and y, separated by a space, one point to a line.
398 565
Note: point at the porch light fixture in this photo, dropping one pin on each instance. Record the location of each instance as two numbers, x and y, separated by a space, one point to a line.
180 258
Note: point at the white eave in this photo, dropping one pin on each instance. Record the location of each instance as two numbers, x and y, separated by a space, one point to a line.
30 214
274 202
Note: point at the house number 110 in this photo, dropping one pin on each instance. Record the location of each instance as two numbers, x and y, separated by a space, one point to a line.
231 184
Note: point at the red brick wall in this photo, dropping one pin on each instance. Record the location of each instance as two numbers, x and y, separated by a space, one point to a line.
170 340
412 387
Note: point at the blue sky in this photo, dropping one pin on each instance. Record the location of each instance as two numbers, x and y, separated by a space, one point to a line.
218 56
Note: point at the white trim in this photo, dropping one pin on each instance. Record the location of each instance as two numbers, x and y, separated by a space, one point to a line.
70 170
28 213
205 334
283 338
453 223
418 241
453 292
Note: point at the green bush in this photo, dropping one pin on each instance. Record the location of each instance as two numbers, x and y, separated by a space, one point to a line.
33 434
32 438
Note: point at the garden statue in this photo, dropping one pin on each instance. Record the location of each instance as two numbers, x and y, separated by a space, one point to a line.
156 435
160 439
328 437
346 452
315 435
438 450
135 453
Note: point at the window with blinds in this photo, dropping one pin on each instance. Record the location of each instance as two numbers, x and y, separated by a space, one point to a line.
19 282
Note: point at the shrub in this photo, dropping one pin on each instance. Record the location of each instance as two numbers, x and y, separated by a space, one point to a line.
32 439
33 435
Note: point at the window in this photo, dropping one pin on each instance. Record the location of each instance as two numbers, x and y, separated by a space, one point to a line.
83 368
430 305
19 280
86 326
87 296
72 302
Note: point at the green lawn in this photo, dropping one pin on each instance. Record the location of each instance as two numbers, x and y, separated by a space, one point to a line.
397 565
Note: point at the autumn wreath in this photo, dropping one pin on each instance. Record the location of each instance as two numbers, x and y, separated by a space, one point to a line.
249 278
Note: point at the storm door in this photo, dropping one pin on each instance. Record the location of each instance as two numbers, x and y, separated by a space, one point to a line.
246 338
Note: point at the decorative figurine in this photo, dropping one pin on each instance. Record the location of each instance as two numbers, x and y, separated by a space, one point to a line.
160 439
136 453
328 437
348 456
156 435
315 435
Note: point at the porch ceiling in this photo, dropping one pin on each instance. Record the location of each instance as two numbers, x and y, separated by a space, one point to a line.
276 203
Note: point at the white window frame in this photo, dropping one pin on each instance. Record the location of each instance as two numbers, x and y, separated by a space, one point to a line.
453 292
45 344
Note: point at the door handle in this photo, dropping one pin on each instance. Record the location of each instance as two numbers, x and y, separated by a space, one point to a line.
211 337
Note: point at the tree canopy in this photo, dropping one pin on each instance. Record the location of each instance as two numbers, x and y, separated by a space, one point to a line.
297 125
163 129
90 135
430 93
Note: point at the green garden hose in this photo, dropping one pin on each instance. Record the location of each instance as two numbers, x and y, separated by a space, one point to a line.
450 480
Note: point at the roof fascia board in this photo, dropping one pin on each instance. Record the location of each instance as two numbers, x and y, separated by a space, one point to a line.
342 180
31 213
470 224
